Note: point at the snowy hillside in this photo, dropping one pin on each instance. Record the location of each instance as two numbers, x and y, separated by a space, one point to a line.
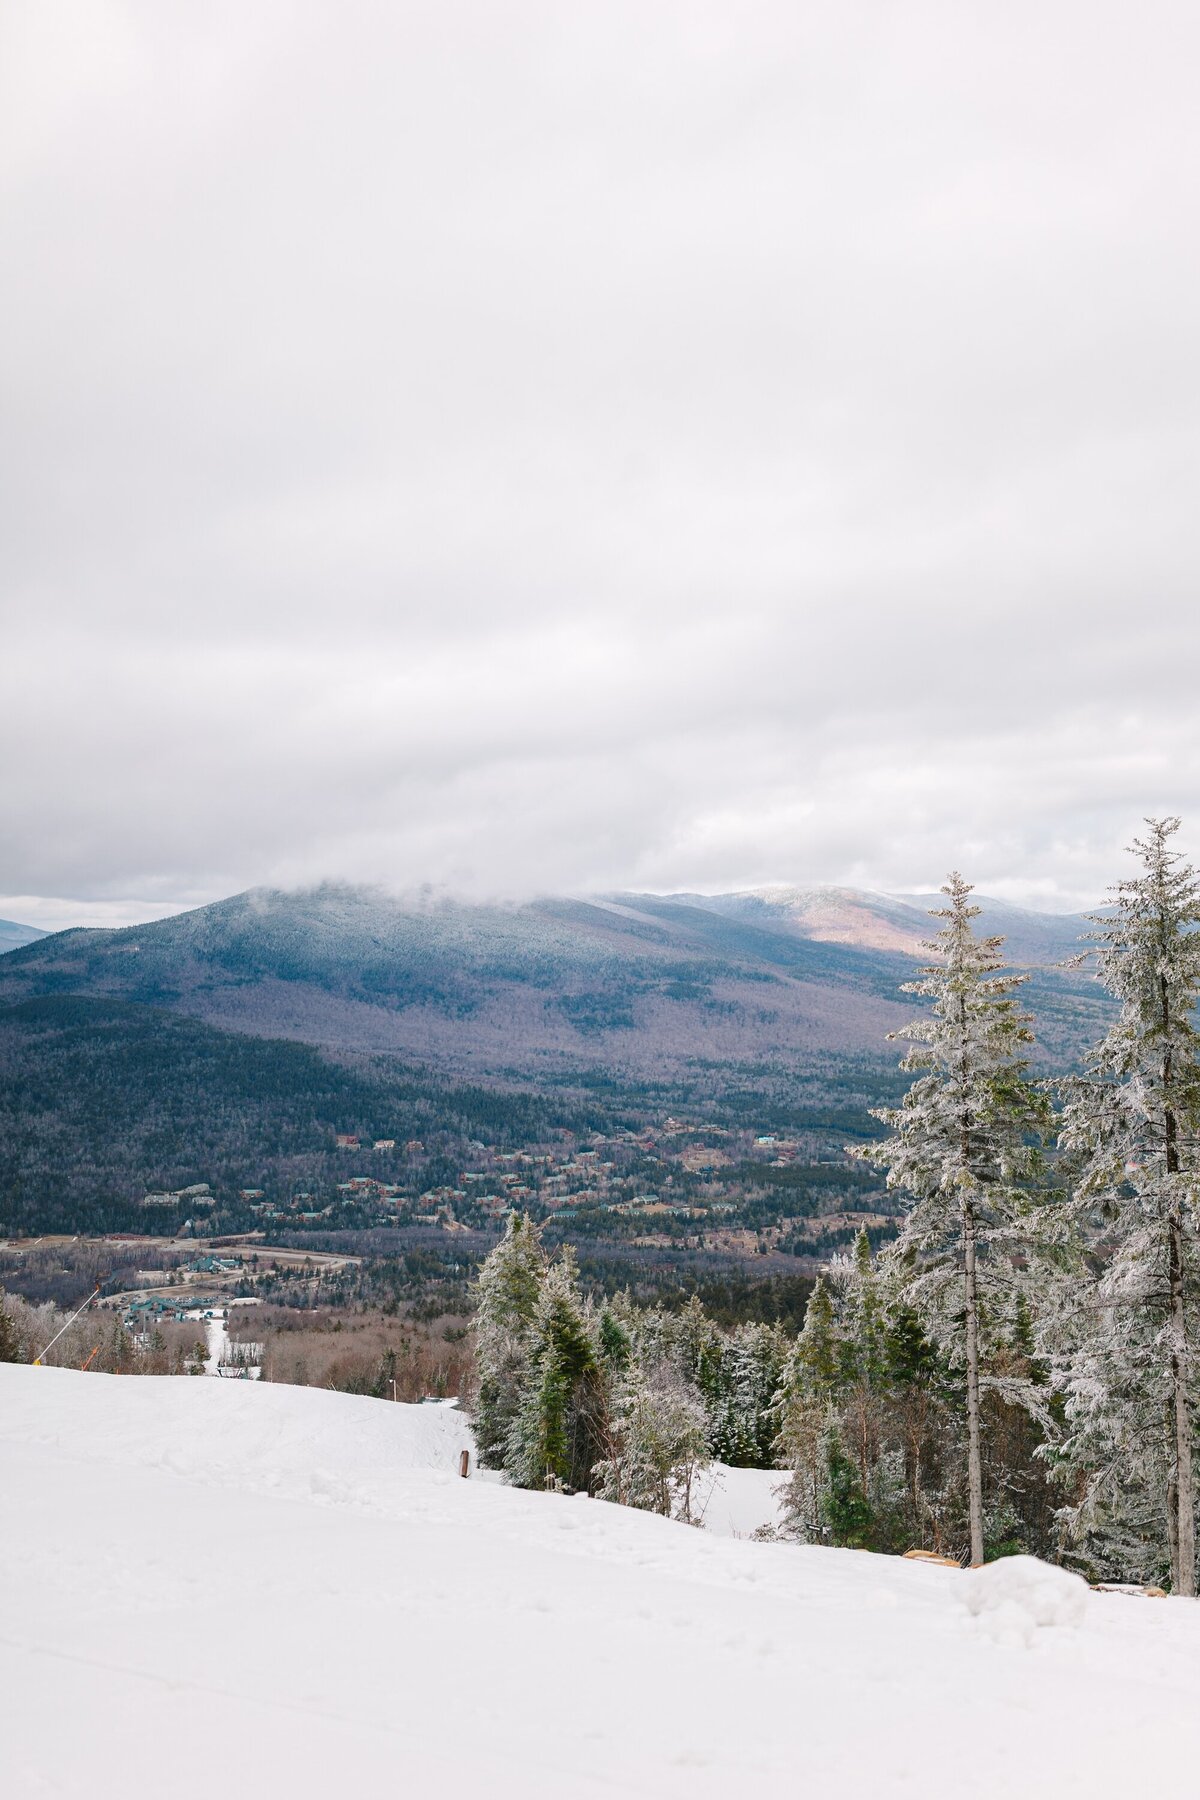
291 1590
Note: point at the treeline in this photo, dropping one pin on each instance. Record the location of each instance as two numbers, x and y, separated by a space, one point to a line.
630 1402
613 1399
1017 1371
361 1353
97 1340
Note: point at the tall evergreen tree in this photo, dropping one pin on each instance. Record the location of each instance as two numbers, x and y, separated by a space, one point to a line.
963 1149
506 1296
866 1354
924 1426
559 1431
699 1345
820 1349
809 1395
1128 1344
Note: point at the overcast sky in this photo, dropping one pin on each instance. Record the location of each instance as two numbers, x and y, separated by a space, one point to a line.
566 447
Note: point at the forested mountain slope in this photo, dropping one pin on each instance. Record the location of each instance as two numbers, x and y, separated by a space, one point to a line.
101 1099
232 1043
636 983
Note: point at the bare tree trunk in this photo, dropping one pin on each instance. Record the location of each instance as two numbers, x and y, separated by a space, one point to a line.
974 1458
915 1432
864 1439
1184 1578
1172 1516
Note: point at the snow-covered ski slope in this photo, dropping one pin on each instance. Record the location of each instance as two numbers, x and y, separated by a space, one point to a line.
204 1583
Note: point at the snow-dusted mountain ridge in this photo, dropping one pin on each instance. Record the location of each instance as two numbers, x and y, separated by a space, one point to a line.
895 922
644 979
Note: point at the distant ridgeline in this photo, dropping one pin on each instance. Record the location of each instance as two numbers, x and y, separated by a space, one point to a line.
13 936
231 1045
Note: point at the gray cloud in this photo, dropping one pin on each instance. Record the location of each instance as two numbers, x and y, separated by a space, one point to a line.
535 446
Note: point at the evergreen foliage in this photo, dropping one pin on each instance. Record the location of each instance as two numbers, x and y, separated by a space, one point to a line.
506 1294
10 1345
659 1441
1123 1337
963 1148
557 1431
847 1510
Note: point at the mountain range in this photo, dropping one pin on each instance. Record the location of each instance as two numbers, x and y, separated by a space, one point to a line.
231 1044
636 983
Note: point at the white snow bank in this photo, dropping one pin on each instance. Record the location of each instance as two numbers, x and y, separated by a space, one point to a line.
234 1434
1018 1596
737 1502
204 1581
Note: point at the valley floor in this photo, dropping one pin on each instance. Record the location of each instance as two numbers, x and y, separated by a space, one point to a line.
288 1590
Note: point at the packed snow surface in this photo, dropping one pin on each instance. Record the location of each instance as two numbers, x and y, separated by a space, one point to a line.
206 1582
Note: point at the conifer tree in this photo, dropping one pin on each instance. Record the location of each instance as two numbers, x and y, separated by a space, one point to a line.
865 1357
700 1346
559 1430
1127 1345
846 1510
921 1423
820 1349
866 1310
506 1295
963 1149
614 1342
10 1344
807 1407
659 1443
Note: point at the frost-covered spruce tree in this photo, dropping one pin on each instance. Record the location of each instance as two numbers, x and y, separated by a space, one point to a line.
559 1430
963 1149
1133 1124
810 1393
506 1295
696 1343
658 1443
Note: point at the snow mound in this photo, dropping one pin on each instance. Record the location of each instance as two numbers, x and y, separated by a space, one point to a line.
738 1502
1017 1597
